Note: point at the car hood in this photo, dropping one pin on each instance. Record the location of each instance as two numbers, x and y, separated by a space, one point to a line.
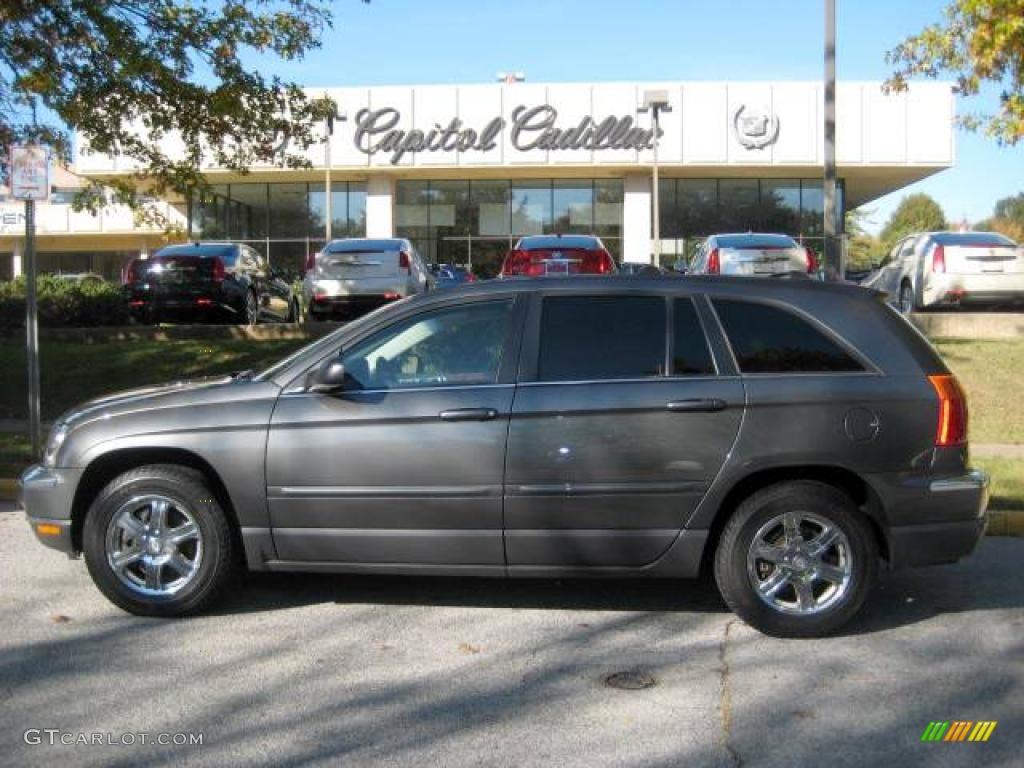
201 390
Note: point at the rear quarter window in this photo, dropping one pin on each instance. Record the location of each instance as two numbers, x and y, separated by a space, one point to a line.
769 339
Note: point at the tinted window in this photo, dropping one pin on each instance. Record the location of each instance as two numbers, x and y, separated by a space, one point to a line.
228 254
755 241
767 339
601 337
546 243
449 347
690 355
348 246
972 238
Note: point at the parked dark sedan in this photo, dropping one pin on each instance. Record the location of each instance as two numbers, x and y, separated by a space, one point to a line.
790 435
227 282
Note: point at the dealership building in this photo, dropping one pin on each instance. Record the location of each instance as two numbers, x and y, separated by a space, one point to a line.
463 170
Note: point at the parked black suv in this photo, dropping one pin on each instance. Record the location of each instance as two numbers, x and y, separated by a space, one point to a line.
786 433
227 282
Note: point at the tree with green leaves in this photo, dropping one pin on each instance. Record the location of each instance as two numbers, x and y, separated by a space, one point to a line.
977 42
863 249
915 213
1007 218
130 74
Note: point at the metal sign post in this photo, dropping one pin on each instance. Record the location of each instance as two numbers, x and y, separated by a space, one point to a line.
30 181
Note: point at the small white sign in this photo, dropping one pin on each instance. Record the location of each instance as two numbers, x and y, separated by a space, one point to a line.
30 172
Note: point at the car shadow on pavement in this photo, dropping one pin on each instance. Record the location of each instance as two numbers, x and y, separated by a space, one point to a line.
987 580
269 591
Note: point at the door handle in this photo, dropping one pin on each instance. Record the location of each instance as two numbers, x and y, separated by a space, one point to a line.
707 405
468 414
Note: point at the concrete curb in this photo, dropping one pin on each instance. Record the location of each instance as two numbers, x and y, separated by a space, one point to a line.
1000 523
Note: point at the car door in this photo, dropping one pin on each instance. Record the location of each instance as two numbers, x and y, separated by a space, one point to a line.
885 279
404 466
621 420
273 294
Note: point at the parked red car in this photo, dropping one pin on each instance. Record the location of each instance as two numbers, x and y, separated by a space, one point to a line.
539 255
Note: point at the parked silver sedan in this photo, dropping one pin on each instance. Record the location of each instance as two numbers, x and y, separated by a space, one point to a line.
752 254
950 269
359 274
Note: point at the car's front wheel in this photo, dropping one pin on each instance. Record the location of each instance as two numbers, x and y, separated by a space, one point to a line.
796 559
157 543
906 299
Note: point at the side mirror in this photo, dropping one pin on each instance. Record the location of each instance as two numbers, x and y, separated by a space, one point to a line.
329 377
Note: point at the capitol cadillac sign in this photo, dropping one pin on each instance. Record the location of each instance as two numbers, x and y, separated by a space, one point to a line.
529 128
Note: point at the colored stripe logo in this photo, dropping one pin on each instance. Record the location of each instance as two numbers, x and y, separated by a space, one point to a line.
959 730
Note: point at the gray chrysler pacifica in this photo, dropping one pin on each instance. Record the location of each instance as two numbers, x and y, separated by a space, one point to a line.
789 435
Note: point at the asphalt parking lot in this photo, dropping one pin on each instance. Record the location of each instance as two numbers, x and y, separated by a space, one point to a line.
299 670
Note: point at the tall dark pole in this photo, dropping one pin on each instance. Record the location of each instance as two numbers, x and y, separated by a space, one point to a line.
32 329
833 256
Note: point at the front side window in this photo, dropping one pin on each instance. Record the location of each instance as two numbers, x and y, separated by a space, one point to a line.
455 346
588 338
767 339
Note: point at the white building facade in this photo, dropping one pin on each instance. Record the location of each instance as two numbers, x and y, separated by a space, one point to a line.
464 170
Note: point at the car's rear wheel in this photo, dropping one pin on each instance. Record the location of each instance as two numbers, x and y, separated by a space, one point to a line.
157 543
294 313
796 559
252 308
906 299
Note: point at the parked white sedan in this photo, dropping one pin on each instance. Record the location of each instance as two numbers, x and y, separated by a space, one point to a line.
951 269
752 254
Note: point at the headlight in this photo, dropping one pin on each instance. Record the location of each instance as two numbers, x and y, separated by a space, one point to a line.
53 444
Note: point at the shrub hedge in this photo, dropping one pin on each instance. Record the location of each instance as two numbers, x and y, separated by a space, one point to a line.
63 303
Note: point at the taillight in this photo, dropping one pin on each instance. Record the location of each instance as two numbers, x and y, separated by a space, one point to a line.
939 259
403 261
598 262
812 260
951 429
311 261
714 264
516 263
470 277
218 270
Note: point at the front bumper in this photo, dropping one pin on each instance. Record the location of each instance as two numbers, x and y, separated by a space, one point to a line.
962 501
46 495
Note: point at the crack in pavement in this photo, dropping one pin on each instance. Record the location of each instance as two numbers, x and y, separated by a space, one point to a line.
725 698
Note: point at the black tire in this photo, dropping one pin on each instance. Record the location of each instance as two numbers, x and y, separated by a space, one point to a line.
294 313
252 309
181 484
806 497
907 303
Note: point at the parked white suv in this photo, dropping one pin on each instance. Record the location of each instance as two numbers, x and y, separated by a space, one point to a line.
355 275
937 269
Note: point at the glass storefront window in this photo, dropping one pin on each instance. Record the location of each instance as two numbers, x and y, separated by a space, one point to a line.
697 204
608 194
737 204
573 207
354 225
780 205
289 211
812 208
531 207
248 211
489 208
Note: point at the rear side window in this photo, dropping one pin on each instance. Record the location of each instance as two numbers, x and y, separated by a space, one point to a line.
586 338
690 355
766 339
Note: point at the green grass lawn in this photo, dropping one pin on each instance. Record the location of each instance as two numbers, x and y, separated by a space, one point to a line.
991 372
72 373
1007 481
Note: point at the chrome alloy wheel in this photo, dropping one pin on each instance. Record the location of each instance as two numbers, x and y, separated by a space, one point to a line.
154 545
252 308
800 563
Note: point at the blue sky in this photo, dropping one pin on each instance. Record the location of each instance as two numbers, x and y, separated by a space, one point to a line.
457 41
